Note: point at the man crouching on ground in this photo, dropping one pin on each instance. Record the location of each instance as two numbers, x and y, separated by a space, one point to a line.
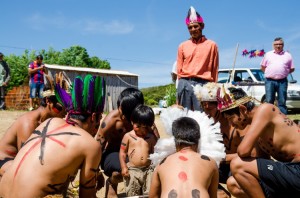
185 173
58 148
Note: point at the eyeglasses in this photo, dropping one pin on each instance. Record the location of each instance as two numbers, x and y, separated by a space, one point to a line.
278 44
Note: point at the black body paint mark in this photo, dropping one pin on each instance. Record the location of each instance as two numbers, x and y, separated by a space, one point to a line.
92 179
124 144
133 137
195 193
172 194
205 157
162 161
288 122
103 125
61 188
131 154
43 135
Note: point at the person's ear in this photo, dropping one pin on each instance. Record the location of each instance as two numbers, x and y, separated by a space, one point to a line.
243 110
202 25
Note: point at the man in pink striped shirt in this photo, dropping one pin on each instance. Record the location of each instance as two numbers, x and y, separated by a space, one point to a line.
277 64
197 61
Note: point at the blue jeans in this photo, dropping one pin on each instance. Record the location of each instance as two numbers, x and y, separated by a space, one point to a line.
279 87
36 88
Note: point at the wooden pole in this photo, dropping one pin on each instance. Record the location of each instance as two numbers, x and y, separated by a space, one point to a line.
236 51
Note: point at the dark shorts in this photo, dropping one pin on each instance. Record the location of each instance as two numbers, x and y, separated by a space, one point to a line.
2 162
279 179
110 163
224 172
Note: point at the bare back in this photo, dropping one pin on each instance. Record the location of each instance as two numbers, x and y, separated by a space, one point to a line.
275 133
185 174
50 159
112 129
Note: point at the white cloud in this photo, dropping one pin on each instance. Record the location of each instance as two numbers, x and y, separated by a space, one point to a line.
88 26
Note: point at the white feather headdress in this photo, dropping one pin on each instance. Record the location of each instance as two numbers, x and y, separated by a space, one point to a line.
210 138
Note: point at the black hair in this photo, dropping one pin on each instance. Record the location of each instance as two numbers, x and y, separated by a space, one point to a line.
143 115
129 98
186 131
237 94
278 39
51 98
40 57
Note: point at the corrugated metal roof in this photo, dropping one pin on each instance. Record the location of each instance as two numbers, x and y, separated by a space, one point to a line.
108 72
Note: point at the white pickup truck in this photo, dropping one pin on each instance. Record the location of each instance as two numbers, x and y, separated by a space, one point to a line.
252 81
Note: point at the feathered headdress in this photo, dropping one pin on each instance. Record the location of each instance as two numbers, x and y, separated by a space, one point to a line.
226 100
210 138
193 16
207 92
87 95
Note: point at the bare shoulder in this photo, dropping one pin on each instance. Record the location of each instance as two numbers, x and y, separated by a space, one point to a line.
266 108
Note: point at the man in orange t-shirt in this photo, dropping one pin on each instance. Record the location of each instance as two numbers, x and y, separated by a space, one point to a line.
197 62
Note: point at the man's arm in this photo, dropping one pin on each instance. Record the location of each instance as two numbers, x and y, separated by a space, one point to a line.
261 119
179 61
89 171
263 68
123 154
215 65
213 187
155 187
292 70
107 126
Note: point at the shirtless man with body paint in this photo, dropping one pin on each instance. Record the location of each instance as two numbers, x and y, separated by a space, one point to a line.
51 157
22 128
185 173
277 135
232 137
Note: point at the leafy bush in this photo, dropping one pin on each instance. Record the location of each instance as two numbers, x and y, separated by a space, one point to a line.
157 93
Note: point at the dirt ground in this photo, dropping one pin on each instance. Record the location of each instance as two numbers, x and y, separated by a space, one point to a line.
8 117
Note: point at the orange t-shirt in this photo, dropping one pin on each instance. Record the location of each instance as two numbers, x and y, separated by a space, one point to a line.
198 59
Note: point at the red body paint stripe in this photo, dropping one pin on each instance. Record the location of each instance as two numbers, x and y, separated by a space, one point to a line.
183 158
11 152
33 146
23 158
57 141
123 147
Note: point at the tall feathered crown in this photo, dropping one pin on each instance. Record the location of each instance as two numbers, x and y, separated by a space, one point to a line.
87 95
193 16
207 92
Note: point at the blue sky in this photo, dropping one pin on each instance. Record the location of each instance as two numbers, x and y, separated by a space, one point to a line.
142 36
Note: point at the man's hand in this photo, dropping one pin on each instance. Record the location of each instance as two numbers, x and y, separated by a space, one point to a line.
125 172
4 84
100 181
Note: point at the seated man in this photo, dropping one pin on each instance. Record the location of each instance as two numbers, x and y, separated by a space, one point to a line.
275 134
58 148
23 127
185 173
232 137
